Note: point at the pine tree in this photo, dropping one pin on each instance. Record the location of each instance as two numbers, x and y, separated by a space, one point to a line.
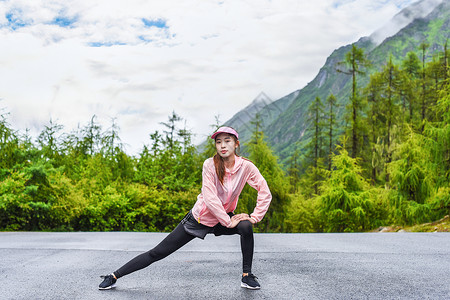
171 129
411 67
413 179
314 150
344 202
293 170
91 137
48 139
330 116
374 123
356 61
423 96
262 156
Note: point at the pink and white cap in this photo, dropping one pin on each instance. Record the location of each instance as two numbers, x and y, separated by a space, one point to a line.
225 129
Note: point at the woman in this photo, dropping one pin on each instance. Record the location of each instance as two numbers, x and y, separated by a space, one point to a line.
224 177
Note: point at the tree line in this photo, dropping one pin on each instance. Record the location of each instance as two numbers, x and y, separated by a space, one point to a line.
382 159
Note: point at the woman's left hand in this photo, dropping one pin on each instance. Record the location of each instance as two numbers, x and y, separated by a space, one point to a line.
253 221
241 217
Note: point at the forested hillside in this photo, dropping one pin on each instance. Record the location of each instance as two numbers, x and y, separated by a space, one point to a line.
285 120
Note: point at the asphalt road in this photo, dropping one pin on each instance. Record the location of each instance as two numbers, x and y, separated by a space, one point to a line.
36 265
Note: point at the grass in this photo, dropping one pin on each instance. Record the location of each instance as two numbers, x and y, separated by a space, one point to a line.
442 225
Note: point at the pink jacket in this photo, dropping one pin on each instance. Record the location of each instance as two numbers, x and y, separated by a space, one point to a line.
216 199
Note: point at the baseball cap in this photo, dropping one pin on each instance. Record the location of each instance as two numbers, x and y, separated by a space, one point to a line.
225 129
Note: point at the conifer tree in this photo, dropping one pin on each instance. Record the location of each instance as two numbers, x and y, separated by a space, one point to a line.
49 138
423 95
262 156
330 116
171 129
411 67
356 61
91 137
391 91
293 170
315 151
374 123
344 202
9 144
440 132
444 61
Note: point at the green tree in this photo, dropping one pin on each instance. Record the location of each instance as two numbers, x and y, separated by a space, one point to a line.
330 117
413 179
293 170
91 137
439 133
356 61
344 202
261 155
391 91
374 124
411 67
315 155
9 146
171 130
49 138
423 95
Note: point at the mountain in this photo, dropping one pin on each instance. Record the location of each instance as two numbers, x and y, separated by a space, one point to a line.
246 115
416 10
285 120
262 105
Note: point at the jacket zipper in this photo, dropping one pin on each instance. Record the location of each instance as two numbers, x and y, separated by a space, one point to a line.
229 188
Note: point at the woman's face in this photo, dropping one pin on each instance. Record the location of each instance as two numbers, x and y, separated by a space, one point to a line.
226 145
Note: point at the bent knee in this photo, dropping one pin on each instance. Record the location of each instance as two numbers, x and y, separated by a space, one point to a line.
245 228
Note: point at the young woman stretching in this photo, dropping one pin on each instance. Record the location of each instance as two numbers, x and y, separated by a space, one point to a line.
224 176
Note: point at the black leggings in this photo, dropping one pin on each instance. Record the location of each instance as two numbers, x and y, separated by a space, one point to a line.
179 237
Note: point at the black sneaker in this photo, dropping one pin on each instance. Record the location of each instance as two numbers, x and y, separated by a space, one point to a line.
108 282
250 282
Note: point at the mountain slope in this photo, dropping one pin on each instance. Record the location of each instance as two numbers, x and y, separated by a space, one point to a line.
285 120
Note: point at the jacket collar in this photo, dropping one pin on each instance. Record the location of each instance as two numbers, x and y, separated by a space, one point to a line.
237 165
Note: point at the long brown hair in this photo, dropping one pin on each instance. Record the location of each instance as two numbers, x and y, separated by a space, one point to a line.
219 164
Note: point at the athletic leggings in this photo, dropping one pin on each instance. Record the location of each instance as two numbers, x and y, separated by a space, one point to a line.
179 237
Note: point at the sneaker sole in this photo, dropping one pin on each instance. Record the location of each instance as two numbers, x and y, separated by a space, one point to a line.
108 287
244 285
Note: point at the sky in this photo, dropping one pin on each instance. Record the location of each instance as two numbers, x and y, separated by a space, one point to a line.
134 62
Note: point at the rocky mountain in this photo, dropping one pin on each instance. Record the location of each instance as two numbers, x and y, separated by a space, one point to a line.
246 115
284 121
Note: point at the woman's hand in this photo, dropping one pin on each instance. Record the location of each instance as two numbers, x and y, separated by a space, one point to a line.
237 218
241 217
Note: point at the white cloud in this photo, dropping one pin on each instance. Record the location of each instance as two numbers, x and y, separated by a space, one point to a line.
70 60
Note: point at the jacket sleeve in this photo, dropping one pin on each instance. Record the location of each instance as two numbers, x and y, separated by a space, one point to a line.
257 181
212 201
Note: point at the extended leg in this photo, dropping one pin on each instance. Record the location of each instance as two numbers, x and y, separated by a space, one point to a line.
174 241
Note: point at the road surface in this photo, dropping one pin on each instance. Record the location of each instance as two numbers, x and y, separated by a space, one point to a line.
60 265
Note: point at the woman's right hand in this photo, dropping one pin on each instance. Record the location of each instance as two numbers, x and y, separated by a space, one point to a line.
234 223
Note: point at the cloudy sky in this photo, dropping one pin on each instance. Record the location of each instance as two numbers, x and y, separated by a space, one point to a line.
136 61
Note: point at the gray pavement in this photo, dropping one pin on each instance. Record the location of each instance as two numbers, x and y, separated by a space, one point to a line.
41 265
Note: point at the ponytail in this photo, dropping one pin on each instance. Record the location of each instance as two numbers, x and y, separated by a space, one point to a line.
220 167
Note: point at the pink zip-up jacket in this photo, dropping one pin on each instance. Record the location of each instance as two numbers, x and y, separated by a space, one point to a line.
217 199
